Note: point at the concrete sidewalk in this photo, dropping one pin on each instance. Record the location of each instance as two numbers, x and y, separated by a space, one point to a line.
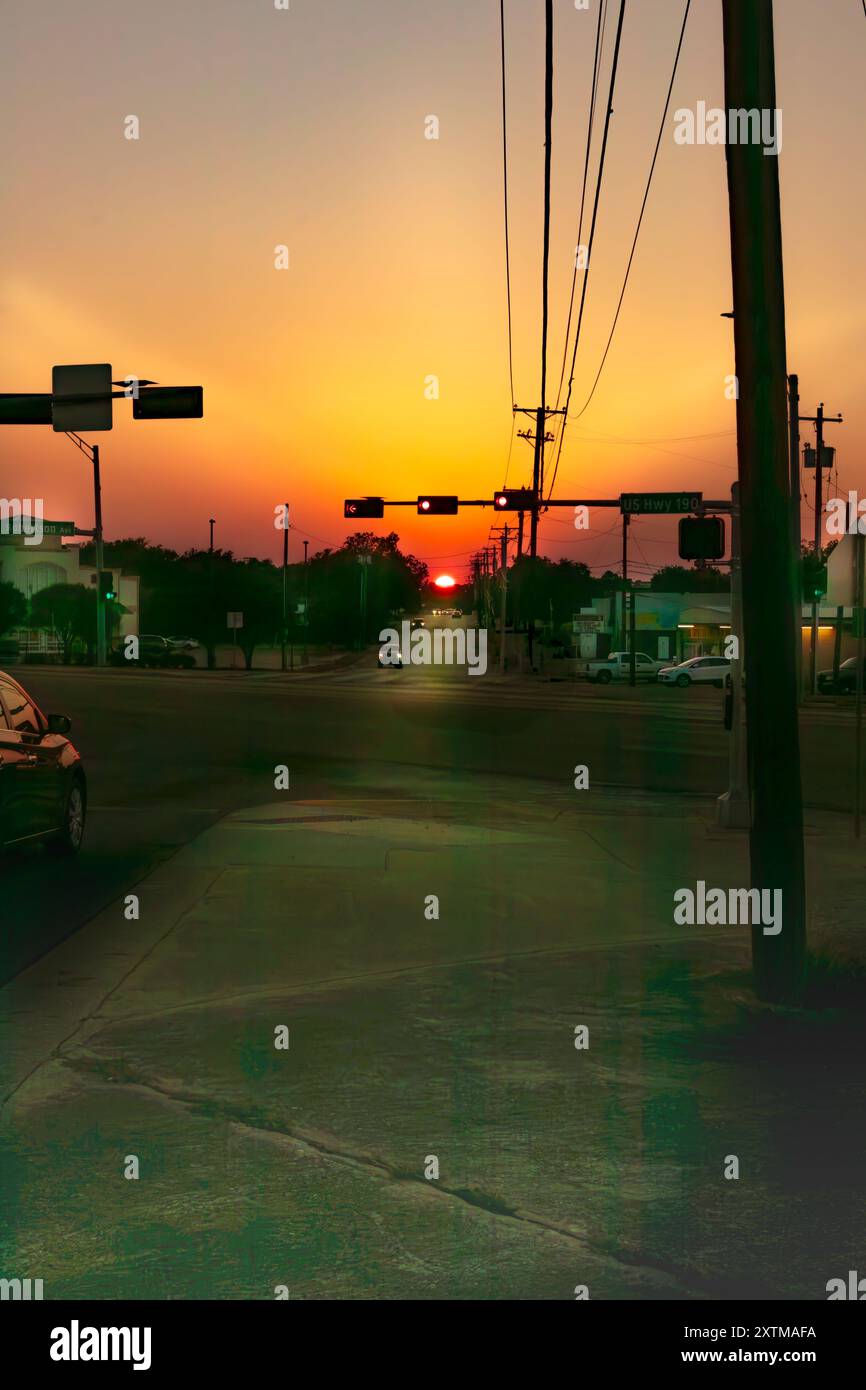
421 1046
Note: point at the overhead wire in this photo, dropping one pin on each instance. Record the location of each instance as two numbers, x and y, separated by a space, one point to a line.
598 183
641 213
596 63
505 201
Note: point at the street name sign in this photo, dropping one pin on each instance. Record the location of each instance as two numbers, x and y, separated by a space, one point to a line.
659 503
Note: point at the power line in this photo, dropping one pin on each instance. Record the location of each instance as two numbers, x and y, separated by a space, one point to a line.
642 209
599 42
505 200
598 182
548 138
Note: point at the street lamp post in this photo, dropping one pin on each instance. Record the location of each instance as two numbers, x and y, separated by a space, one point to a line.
306 601
285 631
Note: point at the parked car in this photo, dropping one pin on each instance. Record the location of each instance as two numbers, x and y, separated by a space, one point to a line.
617 667
696 671
154 651
43 788
188 644
843 684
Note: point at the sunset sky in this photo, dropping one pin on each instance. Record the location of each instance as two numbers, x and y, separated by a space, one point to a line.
261 127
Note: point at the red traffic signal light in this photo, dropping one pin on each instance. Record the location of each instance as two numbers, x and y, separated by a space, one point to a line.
355 507
437 506
513 499
702 538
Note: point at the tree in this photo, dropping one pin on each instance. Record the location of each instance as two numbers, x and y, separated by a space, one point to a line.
394 584
70 611
13 607
679 579
256 593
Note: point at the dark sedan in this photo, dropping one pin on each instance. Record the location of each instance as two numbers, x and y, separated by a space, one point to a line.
846 681
43 789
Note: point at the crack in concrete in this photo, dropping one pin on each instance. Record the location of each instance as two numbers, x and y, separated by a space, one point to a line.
375 1166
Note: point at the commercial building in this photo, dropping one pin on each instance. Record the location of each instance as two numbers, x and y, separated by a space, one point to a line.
33 557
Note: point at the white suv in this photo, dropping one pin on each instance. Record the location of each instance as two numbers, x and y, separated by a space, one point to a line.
697 669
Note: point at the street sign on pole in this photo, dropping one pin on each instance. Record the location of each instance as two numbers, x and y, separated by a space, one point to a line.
234 620
91 379
168 403
659 503
58 528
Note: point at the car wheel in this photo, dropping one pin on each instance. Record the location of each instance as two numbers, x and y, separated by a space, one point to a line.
68 840
603 678
683 681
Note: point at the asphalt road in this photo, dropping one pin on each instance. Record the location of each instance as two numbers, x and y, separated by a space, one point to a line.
169 753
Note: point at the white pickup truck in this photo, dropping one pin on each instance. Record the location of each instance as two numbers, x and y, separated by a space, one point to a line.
617 667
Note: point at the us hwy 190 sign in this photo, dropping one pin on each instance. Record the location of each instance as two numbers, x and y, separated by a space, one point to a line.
659 503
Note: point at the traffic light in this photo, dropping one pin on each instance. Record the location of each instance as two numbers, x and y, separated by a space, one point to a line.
107 591
815 586
513 499
702 538
356 507
168 403
437 506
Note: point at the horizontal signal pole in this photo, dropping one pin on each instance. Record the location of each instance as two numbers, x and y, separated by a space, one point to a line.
720 505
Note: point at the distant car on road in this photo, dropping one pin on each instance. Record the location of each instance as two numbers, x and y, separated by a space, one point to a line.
155 651
43 788
697 671
617 667
843 684
387 656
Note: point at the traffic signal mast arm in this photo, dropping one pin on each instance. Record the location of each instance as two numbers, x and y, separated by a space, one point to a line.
713 504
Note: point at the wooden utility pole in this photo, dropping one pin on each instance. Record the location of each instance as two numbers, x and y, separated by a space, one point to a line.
503 599
776 835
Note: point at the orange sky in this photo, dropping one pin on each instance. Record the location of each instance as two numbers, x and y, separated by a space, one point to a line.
306 127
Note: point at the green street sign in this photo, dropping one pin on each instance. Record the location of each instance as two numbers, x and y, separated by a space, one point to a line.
58 528
659 503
